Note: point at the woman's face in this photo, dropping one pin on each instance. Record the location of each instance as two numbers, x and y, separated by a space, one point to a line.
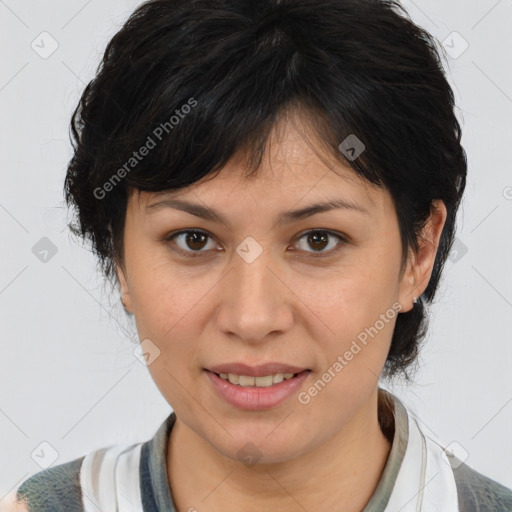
319 292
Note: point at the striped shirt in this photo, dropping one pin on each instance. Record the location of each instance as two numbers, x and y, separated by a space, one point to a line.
420 474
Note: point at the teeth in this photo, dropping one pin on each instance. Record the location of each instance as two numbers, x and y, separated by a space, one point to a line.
243 380
260 382
277 378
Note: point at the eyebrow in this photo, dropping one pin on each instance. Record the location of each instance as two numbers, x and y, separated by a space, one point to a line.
284 217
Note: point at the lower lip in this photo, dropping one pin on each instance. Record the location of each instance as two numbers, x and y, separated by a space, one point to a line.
254 398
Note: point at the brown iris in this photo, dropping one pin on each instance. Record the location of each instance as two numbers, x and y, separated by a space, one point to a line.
196 238
318 237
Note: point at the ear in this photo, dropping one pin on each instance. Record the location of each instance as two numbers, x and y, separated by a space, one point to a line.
419 266
124 289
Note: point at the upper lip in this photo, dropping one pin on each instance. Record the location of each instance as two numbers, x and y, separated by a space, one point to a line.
256 370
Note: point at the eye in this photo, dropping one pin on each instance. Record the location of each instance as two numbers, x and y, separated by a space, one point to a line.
191 239
319 240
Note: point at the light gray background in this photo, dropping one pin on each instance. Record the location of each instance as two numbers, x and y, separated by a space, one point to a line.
68 375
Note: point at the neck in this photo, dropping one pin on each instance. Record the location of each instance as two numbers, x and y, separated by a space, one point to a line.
345 469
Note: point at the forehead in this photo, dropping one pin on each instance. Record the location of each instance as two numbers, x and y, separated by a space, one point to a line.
296 168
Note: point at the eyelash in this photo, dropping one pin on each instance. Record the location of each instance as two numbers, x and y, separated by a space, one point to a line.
196 254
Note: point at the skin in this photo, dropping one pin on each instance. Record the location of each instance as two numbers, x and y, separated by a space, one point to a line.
285 306
10 504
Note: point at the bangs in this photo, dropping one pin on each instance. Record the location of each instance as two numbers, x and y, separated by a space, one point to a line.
190 113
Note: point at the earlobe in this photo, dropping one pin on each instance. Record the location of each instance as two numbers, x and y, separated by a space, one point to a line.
421 264
408 286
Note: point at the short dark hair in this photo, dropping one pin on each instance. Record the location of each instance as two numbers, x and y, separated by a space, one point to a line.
203 79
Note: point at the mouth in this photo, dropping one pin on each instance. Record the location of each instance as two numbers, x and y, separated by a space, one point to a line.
256 393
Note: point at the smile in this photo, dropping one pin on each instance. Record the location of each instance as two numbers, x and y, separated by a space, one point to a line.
256 393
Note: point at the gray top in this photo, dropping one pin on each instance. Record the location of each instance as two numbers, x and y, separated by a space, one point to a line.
57 488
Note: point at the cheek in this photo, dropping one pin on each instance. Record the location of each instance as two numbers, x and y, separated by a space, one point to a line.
171 309
353 357
167 311
353 318
161 296
352 298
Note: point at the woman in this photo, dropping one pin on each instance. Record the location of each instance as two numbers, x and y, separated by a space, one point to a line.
274 187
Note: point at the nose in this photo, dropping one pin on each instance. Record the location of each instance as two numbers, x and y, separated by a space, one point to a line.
255 300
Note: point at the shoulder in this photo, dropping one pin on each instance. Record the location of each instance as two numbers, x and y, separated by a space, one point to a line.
53 489
478 492
104 477
108 475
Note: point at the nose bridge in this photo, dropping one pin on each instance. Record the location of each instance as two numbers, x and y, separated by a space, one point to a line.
252 278
252 303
